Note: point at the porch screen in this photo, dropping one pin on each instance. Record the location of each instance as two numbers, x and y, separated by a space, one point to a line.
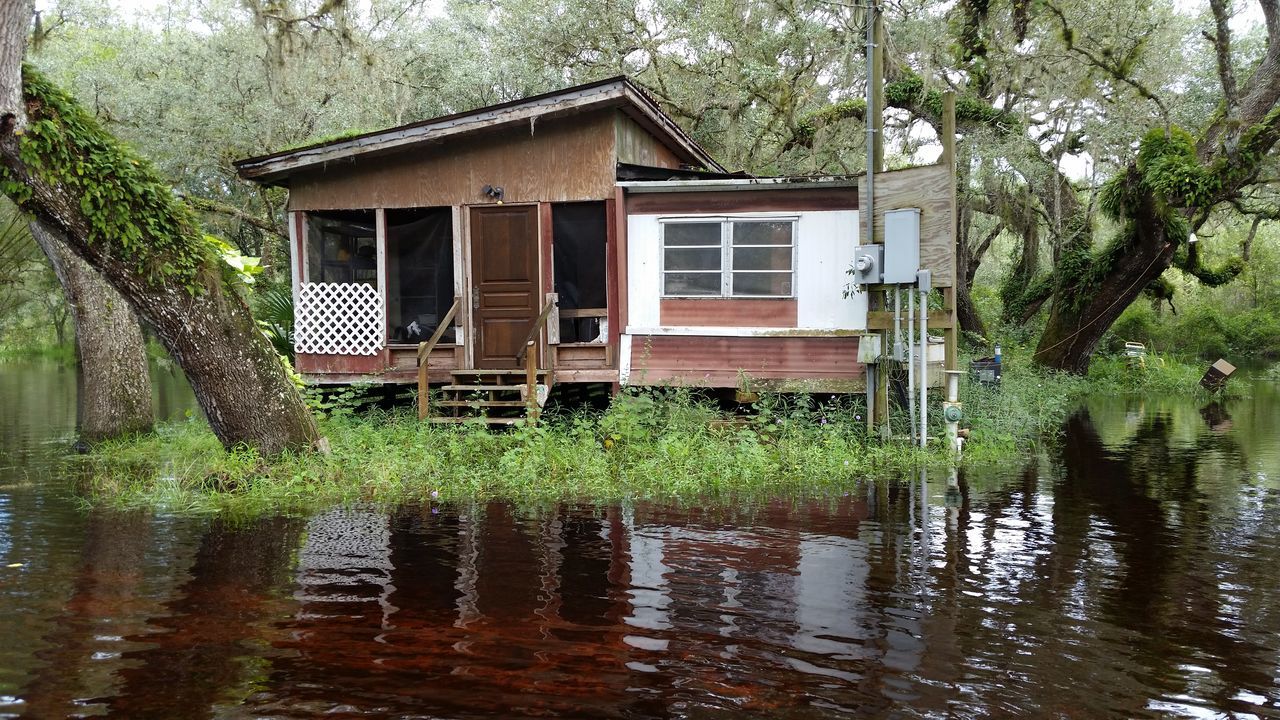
342 247
578 246
419 273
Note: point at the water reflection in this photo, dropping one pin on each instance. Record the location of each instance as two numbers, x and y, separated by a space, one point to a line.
1128 572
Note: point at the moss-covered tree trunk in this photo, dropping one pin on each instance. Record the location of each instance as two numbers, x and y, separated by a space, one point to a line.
113 389
123 220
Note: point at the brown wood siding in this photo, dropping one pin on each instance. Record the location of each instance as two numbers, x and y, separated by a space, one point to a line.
728 312
569 357
716 361
638 147
932 189
727 201
554 161
442 358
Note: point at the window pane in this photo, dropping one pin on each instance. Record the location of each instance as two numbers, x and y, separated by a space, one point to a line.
693 258
762 258
772 283
691 234
341 247
691 284
762 233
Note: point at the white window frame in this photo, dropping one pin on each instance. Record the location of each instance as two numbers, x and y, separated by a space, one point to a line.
726 252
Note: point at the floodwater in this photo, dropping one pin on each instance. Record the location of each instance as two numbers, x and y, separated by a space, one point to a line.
1134 571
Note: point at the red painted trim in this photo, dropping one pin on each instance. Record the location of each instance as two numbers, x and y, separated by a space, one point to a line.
300 238
620 233
715 361
729 312
612 289
723 201
326 364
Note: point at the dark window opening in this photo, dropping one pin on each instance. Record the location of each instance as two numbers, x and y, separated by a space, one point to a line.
578 232
342 247
419 273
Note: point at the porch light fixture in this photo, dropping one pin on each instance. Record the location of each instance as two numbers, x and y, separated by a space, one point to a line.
493 192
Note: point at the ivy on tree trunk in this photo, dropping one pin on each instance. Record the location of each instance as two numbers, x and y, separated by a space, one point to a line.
117 214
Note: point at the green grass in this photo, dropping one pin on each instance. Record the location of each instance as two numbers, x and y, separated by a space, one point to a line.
648 445
656 444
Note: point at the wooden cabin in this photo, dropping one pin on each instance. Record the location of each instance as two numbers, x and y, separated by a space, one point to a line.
583 224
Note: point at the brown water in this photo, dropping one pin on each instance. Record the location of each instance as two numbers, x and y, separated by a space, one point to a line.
1133 572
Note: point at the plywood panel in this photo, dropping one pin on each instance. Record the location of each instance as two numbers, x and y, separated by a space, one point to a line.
642 271
718 361
727 201
823 258
638 147
932 189
553 161
728 312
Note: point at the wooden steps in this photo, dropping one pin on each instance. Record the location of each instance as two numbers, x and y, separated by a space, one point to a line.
491 396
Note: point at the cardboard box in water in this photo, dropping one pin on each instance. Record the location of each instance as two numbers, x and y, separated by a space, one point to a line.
1217 374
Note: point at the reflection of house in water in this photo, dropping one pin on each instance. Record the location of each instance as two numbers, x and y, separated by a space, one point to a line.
580 611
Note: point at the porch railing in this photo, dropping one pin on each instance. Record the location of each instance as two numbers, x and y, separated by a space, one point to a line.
424 355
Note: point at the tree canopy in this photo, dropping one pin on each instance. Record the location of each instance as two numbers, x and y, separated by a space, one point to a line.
1082 124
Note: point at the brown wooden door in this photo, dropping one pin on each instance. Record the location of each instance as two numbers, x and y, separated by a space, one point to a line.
504 276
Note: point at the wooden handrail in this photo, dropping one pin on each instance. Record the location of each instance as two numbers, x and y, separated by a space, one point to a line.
537 326
529 356
584 313
424 353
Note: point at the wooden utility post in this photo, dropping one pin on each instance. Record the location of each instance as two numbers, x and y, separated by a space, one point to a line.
948 159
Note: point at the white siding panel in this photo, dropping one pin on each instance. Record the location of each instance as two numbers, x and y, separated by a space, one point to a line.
825 254
644 274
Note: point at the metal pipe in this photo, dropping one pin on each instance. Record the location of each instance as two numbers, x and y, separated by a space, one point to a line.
897 323
872 116
911 359
951 410
924 367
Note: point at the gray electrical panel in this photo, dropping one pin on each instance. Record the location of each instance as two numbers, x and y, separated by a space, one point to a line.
868 262
901 246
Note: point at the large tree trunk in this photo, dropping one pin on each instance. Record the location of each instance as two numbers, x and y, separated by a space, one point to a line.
1079 317
120 217
967 261
113 388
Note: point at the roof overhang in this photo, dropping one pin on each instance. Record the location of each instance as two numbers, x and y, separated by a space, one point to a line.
776 183
617 92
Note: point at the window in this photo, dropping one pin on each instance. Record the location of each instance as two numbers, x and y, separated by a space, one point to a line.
342 247
728 258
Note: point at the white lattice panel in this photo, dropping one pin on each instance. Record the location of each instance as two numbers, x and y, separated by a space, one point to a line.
338 319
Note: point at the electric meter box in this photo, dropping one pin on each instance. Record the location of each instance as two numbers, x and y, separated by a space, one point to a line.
868 262
901 246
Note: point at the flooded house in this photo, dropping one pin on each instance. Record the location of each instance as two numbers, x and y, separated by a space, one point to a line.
579 236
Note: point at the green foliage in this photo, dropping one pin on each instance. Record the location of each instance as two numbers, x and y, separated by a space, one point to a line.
1170 170
910 92
1201 331
130 209
809 125
652 443
273 309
